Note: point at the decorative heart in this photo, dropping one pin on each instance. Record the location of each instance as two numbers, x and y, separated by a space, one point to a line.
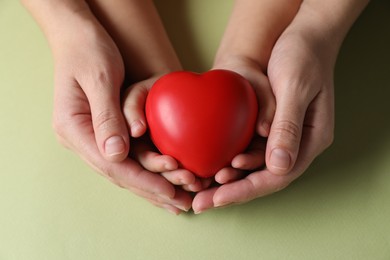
202 120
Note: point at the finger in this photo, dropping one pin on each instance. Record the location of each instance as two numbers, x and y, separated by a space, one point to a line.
249 161
265 98
182 200
203 200
134 107
285 135
180 177
253 158
143 152
153 161
109 126
196 186
265 182
127 174
206 182
164 164
228 174
199 185
266 102
171 209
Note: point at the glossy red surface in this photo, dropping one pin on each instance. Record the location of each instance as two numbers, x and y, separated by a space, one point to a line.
202 120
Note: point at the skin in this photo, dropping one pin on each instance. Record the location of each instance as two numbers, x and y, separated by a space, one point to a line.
300 73
97 46
249 60
91 64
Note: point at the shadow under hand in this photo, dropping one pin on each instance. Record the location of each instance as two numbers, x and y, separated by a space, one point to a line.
341 177
363 89
362 116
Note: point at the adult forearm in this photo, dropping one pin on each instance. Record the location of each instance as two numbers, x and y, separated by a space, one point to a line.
138 32
50 14
60 19
326 23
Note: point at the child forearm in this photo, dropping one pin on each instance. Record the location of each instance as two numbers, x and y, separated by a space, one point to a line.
253 29
138 32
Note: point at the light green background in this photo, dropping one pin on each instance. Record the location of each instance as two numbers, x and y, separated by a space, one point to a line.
53 206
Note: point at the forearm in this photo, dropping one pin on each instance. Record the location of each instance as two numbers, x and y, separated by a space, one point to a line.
138 32
253 29
62 20
53 11
325 24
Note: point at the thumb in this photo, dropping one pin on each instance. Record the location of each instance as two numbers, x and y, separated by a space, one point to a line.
134 106
110 130
285 135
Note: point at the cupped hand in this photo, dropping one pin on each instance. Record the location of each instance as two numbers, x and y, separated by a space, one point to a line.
254 157
300 72
143 150
88 119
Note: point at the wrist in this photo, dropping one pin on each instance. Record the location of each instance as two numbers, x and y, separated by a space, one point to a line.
237 62
314 35
59 19
324 24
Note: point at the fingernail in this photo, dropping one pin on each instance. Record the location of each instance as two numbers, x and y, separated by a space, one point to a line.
219 204
164 197
170 167
114 145
280 159
182 208
170 209
198 211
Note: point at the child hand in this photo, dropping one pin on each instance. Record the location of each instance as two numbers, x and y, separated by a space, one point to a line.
142 148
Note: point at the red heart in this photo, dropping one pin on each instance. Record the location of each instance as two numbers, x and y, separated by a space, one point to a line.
202 120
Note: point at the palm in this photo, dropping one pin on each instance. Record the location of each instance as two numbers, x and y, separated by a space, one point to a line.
299 80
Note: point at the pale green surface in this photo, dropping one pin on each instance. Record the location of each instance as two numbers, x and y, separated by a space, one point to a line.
52 206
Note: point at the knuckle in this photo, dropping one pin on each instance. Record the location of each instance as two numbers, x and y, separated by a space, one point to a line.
106 76
327 138
106 120
287 129
59 127
103 78
279 184
136 96
108 171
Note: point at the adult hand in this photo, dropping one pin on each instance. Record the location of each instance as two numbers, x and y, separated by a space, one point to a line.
87 112
301 76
